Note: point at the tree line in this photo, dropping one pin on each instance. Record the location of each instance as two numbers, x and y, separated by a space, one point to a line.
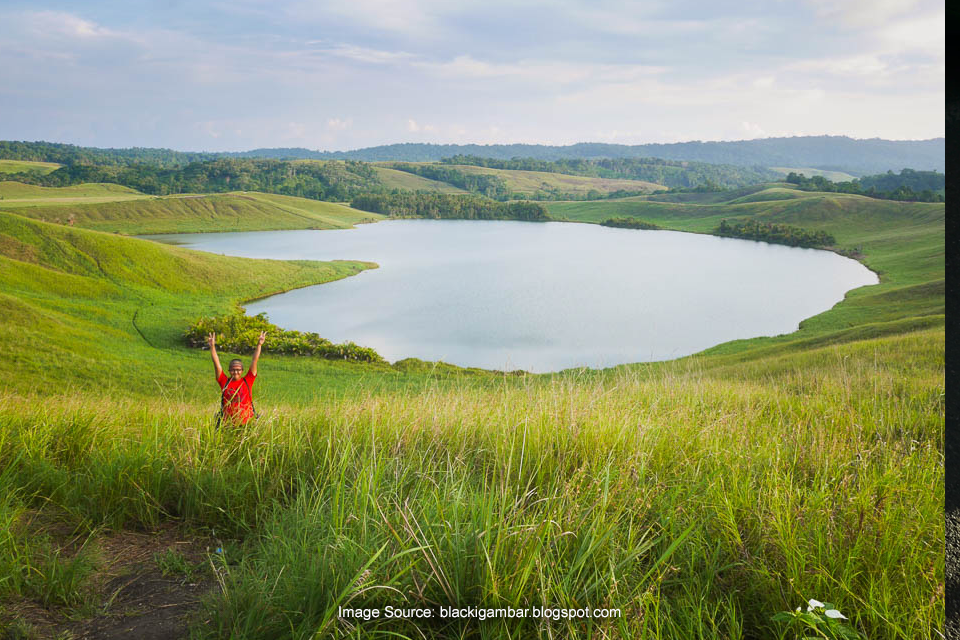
445 206
908 185
334 180
630 223
483 184
72 154
776 233
669 173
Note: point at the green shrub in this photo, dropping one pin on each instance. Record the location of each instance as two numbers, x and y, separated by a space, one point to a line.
238 333
630 223
775 233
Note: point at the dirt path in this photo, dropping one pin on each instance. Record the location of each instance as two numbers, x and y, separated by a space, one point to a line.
146 586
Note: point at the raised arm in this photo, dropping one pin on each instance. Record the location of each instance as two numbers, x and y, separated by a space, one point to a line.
212 341
256 352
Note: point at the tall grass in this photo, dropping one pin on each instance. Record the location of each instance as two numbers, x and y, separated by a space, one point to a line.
698 502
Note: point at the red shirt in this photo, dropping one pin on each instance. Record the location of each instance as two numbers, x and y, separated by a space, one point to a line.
236 401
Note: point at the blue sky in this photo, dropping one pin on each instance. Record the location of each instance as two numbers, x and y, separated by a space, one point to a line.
237 75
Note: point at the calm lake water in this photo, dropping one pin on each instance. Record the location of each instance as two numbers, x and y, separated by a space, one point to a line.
542 296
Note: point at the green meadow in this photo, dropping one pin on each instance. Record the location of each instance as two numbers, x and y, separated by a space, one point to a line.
237 211
394 179
832 176
16 194
700 497
27 166
530 183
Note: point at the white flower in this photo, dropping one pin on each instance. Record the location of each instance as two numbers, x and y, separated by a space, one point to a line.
814 604
798 609
833 613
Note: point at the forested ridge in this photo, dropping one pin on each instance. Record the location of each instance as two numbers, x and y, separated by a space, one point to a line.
165 172
445 206
838 153
669 173
484 184
73 154
908 185
336 181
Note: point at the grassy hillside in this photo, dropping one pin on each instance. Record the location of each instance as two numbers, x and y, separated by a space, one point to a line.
248 211
530 182
23 166
16 194
90 310
393 179
832 176
699 496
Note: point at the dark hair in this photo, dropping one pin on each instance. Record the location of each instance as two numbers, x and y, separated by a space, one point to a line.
238 361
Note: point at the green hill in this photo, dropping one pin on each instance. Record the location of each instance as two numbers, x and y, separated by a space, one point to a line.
531 182
26 166
838 153
393 179
239 211
833 176
86 309
515 183
17 194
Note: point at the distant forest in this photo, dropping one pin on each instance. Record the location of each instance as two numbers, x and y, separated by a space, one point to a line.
336 181
908 185
72 154
165 172
839 153
669 173
836 153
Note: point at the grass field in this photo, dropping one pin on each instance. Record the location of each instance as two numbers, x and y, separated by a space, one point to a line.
699 496
832 176
16 194
532 182
26 166
237 211
393 179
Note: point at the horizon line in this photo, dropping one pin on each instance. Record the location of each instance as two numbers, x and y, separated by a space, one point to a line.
495 144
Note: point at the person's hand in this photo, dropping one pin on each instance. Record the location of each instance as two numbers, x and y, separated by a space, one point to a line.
212 340
263 336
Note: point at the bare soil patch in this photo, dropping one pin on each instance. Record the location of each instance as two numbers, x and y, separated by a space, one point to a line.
147 585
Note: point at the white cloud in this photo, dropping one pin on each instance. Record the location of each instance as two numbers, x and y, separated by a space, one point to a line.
841 72
295 131
752 130
337 124
62 24
415 127
365 54
861 13
924 34
541 72
410 17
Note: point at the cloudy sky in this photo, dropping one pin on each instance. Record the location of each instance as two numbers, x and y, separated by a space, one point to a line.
226 76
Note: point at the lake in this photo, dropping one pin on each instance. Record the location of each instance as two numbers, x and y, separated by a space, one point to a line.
542 296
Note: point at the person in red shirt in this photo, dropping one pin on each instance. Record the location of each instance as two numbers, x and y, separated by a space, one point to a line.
236 400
